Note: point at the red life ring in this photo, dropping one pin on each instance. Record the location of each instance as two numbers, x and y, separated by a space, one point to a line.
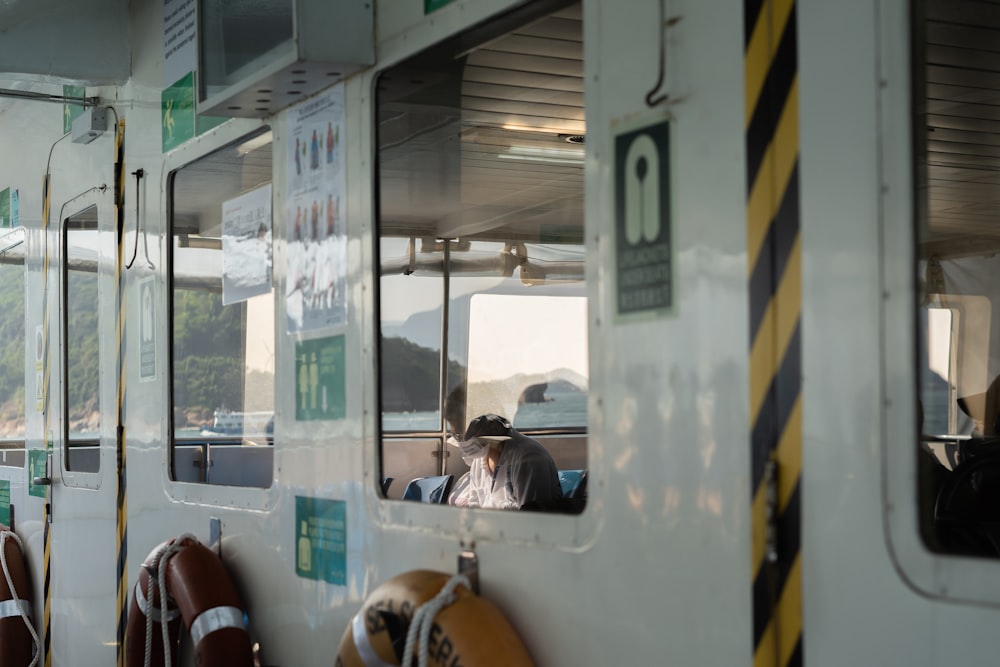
470 630
17 637
198 583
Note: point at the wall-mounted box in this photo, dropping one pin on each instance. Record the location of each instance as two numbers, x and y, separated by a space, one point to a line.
256 58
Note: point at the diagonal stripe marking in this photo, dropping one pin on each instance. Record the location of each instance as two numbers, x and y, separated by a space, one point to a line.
789 619
760 51
775 172
789 456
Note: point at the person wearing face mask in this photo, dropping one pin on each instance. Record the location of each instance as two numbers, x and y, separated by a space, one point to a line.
507 469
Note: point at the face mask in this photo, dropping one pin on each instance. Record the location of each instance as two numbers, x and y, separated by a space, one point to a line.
473 449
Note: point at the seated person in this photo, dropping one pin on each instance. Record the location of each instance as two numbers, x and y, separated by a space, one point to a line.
507 470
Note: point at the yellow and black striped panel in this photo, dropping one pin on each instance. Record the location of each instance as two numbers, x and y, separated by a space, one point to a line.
121 553
774 254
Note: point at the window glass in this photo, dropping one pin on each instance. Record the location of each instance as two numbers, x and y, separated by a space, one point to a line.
481 251
958 272
222 366
83 397
12 344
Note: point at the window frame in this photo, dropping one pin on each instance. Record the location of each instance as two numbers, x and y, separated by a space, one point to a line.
955 578
469 38
85 478
256 497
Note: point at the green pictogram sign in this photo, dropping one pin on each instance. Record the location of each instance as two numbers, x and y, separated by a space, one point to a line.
5 502
71 111
319 379
321 539
6 219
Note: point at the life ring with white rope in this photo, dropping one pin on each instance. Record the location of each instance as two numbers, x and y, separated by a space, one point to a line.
18 639
430 618
196 584
146 599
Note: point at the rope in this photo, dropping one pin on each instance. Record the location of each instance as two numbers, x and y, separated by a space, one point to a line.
10 585
157 570
423 620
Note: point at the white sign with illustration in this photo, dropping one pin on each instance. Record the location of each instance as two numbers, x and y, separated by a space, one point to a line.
246 245
317 238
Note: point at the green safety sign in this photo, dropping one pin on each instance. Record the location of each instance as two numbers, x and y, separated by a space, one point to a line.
433 5
36 469
319 379
177 112
321 539
6 219
5 502
644 252
178 118
71 111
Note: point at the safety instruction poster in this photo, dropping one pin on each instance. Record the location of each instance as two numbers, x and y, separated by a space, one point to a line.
319 379
246 245
316 291
321 539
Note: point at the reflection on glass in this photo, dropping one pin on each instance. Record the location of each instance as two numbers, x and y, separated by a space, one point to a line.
481 248
12 349
83 404
222 367
528 359
958 272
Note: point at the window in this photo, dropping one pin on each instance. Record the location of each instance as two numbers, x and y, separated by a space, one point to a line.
222 317
12 344
481 247
82 396
958 271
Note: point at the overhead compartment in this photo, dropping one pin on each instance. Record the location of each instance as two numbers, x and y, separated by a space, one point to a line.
256 58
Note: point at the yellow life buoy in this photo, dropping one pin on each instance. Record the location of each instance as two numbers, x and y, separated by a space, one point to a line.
466 631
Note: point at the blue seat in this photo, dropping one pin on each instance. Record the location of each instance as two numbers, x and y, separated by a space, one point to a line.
429 489
573 483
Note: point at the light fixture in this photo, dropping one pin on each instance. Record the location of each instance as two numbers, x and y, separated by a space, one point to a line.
548 155
254 143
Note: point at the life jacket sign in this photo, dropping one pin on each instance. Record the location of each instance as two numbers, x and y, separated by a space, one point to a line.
644 263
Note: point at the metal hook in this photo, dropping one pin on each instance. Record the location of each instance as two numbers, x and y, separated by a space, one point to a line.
663 24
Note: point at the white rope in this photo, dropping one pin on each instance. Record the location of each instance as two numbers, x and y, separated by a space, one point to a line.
157 570
423 620
4 535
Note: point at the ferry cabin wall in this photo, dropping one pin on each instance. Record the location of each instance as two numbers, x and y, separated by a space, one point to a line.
668 436
649 403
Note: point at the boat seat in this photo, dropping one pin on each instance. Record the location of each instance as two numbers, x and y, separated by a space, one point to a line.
573 483
429 489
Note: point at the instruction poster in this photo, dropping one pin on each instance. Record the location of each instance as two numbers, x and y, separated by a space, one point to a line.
319 379
321 539
317 239
246 245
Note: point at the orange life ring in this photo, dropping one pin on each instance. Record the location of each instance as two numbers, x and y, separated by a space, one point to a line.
17 638
198 583
135 640
470 630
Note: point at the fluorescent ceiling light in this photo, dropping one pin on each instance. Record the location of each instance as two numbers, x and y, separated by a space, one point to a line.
539 154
